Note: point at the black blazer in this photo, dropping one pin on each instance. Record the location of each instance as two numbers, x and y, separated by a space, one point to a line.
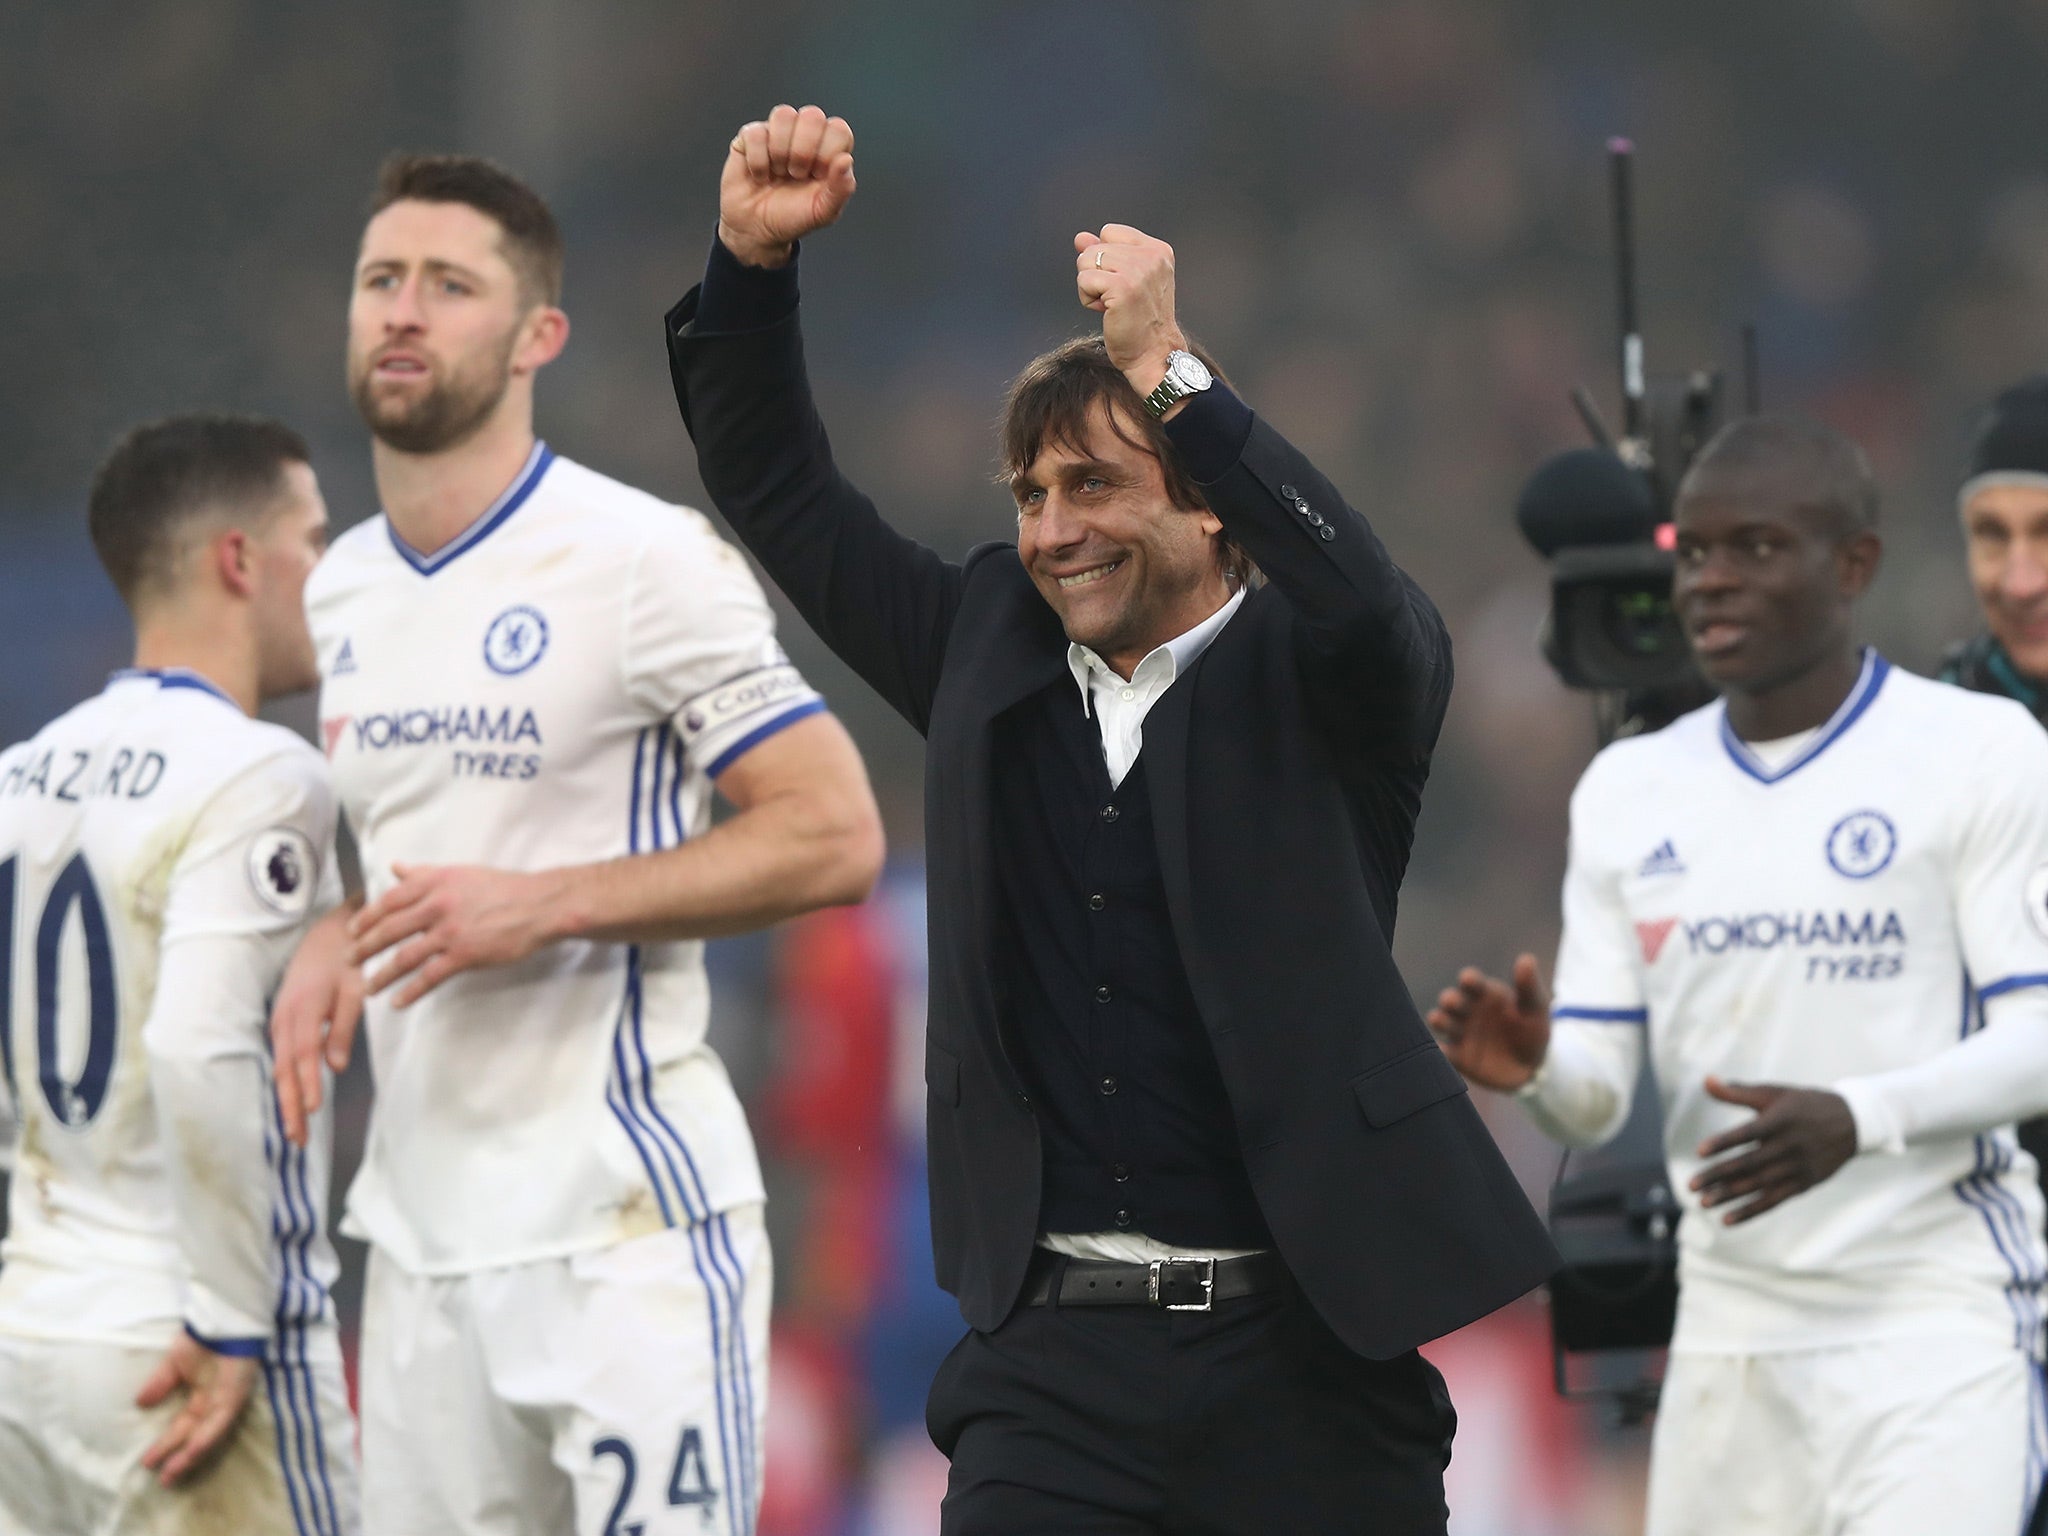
1285 767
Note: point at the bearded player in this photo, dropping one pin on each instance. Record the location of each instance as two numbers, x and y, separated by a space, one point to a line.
532 679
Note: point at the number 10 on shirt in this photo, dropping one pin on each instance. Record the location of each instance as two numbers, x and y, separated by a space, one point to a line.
74 1101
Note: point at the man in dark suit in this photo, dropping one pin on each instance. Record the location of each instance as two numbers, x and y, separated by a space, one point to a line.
1201 1180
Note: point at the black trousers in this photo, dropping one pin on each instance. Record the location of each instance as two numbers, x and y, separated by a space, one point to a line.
1251 1420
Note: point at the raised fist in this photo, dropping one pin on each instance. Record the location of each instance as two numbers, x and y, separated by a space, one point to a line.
1126 276
783 178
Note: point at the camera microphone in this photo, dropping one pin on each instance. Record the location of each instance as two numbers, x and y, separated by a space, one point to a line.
1596 521
1586 496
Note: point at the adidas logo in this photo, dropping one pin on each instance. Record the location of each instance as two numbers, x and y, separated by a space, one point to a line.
1664 861
344 660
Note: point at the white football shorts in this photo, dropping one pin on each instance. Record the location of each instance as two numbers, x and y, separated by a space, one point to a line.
622 1389
71 1444
1898 1437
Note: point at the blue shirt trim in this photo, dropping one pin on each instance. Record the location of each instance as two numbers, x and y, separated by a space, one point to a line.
1604 1015
2011 984
755 737
492 519
175 677
1875 670
241 1349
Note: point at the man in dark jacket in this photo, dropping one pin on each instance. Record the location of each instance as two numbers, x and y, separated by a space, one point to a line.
2004 507
1201 1181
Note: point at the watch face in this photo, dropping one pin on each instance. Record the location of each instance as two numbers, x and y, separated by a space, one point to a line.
1187 371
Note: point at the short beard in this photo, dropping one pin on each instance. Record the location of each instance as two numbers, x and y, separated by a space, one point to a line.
1115 632
447 415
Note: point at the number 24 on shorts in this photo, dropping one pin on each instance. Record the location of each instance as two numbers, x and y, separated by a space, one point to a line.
689 1480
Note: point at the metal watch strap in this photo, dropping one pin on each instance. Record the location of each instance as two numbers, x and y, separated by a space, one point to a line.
1186 375
1168 391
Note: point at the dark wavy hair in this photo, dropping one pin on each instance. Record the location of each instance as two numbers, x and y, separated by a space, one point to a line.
1051 404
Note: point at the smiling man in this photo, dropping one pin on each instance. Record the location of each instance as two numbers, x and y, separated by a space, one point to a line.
1200 1180
2003 504
1818 906
533 679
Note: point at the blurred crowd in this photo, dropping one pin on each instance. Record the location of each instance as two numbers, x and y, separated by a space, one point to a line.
1391 224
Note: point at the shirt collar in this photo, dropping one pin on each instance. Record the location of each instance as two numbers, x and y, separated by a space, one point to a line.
1171 659
509 500
171 677
1861 696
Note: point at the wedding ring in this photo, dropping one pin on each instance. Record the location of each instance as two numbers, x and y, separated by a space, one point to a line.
1098 258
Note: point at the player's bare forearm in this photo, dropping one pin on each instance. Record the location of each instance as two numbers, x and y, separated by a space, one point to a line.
806 835
777 859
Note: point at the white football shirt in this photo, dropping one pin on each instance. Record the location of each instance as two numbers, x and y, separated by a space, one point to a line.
161 855
1860 906
559 685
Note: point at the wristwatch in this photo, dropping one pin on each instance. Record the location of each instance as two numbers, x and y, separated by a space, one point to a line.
1185 375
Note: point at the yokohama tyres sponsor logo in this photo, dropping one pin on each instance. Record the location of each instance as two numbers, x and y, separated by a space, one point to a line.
441 725
1800 930
1652 935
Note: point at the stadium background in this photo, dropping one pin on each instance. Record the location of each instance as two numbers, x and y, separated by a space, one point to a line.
1391 224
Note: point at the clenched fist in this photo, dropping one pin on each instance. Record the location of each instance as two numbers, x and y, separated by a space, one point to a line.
1126 276
783 178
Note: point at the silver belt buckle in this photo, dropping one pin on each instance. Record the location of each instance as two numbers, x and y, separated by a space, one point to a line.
1208 1301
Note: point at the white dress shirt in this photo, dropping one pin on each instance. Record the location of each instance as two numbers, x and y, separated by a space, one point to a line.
1119 706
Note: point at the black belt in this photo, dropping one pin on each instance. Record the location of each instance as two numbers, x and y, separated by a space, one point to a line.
1175 1285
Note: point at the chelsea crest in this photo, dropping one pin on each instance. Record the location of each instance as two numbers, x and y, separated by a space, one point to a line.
517 639
1861 844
